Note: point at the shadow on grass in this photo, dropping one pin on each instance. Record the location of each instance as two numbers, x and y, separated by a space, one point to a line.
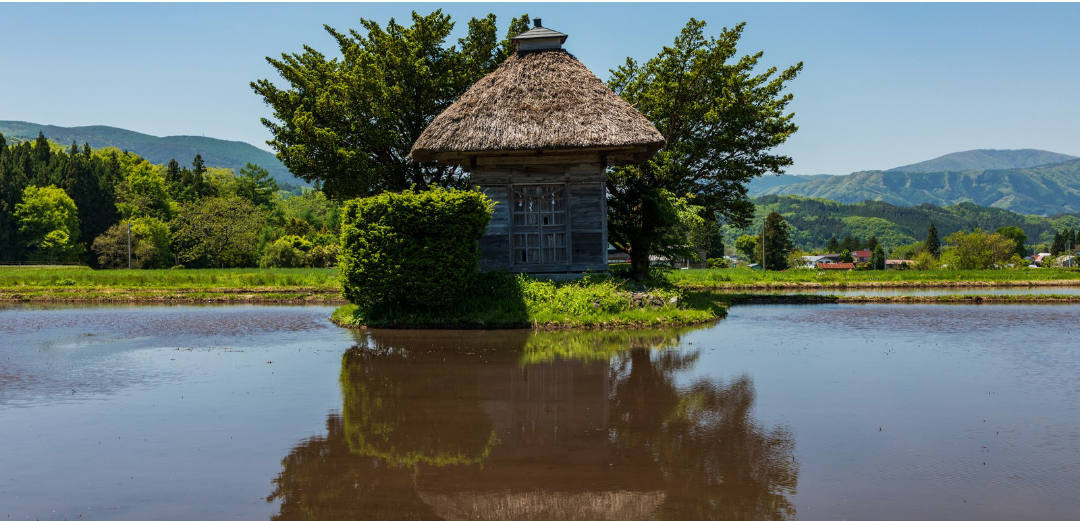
499 300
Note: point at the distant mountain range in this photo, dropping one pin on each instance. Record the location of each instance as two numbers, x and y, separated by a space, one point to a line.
159 150
1033 182
813 221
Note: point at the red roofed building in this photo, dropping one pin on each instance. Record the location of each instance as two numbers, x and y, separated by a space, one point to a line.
835 266
861 256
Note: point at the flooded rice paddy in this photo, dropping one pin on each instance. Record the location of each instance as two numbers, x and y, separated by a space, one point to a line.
868 411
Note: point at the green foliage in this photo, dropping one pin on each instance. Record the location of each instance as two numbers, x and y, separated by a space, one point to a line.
846 256
414 250
878 258
350 122
49 223
314 210
254 183
290 251
926 261
717 262
933 276
977 250
814 221
719 120
499 299
217 230
1017 235
143 193
778 243
282 254
747 245
158 150
931 244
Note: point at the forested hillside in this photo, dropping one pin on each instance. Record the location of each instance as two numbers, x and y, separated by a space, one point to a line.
76 204
215 152
814 221
1042 190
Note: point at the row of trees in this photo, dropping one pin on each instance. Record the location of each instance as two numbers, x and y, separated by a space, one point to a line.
88 206
976 249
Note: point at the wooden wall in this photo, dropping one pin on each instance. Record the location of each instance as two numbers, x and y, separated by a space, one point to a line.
586 210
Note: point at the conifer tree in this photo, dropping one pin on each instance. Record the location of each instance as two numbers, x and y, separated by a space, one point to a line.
878 258
931 244
832 246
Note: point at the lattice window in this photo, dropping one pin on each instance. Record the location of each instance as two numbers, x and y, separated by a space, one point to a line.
540 225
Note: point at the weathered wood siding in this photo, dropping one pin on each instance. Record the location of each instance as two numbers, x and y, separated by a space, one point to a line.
583 181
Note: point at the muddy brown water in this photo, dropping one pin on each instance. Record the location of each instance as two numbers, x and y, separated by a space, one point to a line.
778 412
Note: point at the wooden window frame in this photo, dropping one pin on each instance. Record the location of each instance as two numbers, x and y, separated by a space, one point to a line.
515 192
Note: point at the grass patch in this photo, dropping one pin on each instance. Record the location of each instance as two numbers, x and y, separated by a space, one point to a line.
59 284
500 300
740 278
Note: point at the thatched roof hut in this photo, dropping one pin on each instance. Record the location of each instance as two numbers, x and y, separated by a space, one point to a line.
537 135
542 98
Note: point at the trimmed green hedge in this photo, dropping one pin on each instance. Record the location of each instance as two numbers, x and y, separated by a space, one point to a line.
411 251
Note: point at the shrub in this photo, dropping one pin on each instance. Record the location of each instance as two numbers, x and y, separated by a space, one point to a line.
718 262
286 252
412 250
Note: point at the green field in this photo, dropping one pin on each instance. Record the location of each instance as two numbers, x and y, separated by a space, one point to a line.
218 285
744 278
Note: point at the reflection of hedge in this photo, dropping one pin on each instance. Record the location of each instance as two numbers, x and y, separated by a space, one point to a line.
390 413
412 250
590 346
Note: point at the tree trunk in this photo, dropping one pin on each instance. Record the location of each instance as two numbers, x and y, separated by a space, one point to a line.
639 262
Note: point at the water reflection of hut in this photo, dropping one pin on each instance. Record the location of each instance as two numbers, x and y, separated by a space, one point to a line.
553 459
537 135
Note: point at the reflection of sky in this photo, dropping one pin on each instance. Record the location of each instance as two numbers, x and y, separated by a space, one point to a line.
172 404
153 431
952 387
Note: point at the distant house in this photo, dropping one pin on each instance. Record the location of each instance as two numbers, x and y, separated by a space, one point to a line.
1039 258
860 256
829 257
617 257
899 264
836 266
1065 261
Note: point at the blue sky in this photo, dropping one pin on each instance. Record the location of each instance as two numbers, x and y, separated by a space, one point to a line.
883 84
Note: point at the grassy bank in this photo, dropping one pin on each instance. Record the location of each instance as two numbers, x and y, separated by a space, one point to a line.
743 278
503 301
72 284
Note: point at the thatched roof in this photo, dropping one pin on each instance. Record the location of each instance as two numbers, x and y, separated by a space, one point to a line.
533 101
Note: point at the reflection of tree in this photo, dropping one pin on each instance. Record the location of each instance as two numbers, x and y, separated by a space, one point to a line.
421 412
717 461
323 479
409 410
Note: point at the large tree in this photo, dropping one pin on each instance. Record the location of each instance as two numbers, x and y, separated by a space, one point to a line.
217 232
349 123
778 242
719 119
1017 235
931 244
48 224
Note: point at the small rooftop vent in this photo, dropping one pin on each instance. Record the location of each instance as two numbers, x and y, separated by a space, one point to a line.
539 38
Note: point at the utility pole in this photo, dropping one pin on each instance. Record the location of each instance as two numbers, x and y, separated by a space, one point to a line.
129 245
763 246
